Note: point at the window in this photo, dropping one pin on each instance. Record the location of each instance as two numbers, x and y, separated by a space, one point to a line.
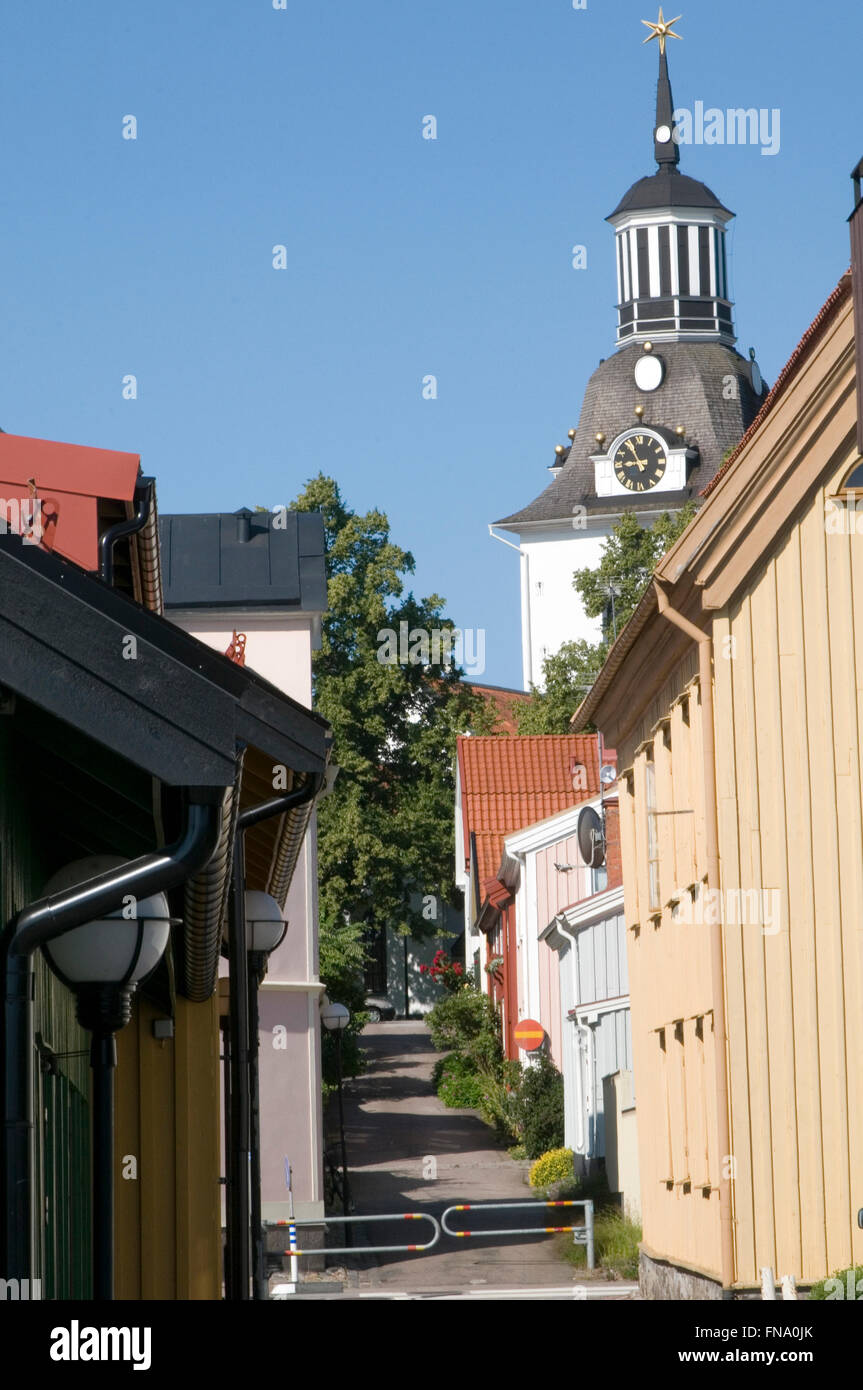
652 834
854 481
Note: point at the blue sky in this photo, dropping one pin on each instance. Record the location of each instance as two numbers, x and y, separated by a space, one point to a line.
406 256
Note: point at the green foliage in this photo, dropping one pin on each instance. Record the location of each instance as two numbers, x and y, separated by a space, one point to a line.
385 831
630 555
616 1239
568 675
838 1286
540 1107
500 1101
458 1084
553 1166
463 1021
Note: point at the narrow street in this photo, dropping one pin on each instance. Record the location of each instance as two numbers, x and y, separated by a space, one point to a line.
408 1152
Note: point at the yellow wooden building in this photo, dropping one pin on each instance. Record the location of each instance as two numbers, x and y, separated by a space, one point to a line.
734 698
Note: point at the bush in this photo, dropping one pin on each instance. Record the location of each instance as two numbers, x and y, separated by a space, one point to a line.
554 1166
540 1108
459 1086
840 1285
463 1019
616 1240
500 1102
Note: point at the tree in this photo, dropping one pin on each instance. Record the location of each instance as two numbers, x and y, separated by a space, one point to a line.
385 831
612 592
568 676
630 555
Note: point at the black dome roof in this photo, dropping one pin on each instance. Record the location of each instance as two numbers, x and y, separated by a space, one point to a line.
668 188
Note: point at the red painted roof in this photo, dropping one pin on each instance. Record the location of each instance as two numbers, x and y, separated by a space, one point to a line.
74 477
510 783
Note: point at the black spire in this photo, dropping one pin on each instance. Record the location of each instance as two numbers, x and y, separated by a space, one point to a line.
667 150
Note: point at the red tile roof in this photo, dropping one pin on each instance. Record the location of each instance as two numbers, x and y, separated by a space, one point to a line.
510 783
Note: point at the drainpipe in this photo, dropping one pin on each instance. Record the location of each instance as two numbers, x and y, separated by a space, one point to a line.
44 921
711 835
109 538
244 1154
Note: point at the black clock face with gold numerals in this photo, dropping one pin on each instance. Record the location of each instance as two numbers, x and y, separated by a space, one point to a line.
639 462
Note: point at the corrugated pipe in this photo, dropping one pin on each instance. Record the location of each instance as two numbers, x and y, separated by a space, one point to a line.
717 969
295 825
149 558
205 904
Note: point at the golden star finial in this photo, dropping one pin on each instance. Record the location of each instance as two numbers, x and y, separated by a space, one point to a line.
662 29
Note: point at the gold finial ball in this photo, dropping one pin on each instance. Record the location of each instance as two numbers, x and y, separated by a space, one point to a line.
639 410
600 437
558 449
571 434
681 430
648 347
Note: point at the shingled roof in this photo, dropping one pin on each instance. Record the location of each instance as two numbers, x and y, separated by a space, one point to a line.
694 394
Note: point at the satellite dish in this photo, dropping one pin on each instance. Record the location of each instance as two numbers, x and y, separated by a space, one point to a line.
591 838
607 774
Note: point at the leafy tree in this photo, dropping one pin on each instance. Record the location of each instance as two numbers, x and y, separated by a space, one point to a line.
385 831
630 556
612 592
568 674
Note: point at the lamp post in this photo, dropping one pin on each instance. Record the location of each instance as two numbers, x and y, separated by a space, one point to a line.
103 962
335 1018
265 930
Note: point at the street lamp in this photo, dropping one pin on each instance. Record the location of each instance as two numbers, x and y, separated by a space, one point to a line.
335 1018
265 930
103 962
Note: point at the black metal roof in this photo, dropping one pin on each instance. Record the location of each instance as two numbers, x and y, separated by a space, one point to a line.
245 560
175 708
668 188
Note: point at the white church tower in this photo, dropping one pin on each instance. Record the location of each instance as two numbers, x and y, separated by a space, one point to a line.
660 413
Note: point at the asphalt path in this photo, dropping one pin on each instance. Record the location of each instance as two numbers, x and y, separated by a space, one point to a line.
408 1153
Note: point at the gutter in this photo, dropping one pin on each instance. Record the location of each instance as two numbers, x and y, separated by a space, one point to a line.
44 921
717 969
144 495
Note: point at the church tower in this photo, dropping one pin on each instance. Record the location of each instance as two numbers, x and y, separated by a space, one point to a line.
661 412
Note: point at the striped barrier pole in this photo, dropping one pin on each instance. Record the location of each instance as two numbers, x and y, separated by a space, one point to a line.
583 1234
365 1220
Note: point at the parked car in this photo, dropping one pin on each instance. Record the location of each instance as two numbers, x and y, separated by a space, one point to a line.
379 1008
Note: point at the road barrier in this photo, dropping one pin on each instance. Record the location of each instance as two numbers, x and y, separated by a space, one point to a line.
582 1235
365 1221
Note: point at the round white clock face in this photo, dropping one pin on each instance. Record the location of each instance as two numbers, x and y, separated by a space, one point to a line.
663 134
649 372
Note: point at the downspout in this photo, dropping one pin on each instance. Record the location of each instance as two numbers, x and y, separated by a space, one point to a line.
244 1154
44 921
143 501
717 970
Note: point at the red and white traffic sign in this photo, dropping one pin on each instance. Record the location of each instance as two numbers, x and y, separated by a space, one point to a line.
529 1034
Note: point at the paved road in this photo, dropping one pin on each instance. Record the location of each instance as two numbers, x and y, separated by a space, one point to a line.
408 1152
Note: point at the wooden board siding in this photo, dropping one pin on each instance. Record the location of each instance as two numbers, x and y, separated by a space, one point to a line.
789 708
670 993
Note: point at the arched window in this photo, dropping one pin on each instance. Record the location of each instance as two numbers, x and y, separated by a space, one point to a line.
854 481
